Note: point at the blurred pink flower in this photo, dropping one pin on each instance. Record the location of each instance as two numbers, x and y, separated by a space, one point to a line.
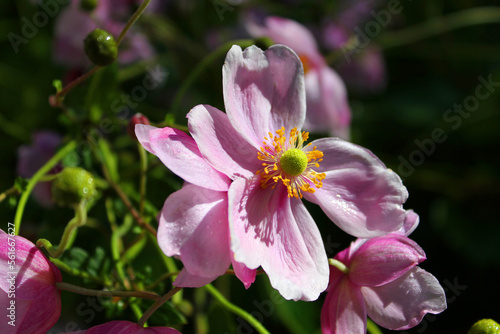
259 158
327 105
381 281
32 157
126 327
27 287
73 24
193 223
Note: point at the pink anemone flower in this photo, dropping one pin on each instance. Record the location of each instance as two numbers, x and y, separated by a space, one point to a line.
28 293
380 278
260 158
193 224
126 327
327 105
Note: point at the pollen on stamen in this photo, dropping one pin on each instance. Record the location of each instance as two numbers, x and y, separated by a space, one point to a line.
302 180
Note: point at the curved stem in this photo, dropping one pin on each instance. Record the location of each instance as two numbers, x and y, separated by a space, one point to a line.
69 232
157 305
56 100
205 62
132 20
439 25
11 191
236 310
339 265
35 178
106 293
372 327
75 272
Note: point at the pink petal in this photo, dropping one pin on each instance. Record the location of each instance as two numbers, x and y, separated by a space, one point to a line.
187 280
410 224
359 193
222 145
263 91
383 259
179 153
270 230
344 310
403 303
289 33
245 275
43 312
327 104
193 224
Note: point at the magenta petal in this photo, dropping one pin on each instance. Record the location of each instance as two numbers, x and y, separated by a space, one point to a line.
344 310
263 91
193 224
179 153
270 230
403 303
187 280
245 275
327 104
359 193
221 145
382 260
43 312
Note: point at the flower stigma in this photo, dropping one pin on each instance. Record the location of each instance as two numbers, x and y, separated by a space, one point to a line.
286 161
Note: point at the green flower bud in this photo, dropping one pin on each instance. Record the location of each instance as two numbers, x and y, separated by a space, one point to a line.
72 186
485 326
100 47
88 5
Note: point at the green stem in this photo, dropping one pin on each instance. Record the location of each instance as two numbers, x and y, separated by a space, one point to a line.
75 272
372 328
132 20
106 293
157 305
439 25
137 311
68 235
236 310
204 63
35 178
142 186
116 243
11 191
339 265
56 100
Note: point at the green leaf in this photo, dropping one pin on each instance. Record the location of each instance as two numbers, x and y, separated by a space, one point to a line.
108 158
57 85
102 92
76 257
95 262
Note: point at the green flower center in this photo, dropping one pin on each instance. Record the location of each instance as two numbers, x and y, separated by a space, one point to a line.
294 162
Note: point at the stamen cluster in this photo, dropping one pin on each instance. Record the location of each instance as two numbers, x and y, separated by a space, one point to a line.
293 171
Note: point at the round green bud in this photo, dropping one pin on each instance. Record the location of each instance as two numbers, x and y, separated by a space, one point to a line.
485 326
88 5
73 185
100 47
293 162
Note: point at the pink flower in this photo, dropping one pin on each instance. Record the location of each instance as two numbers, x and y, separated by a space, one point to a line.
27 287
193 223
381 280
32 157
327 105
259 158
126 327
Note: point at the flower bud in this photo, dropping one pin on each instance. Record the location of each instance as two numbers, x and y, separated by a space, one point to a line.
88 5
136 119
72 186
485 326
100 47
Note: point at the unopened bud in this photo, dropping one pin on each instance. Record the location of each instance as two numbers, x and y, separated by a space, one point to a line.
88 5
100 47
136 119
485 326
73 185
